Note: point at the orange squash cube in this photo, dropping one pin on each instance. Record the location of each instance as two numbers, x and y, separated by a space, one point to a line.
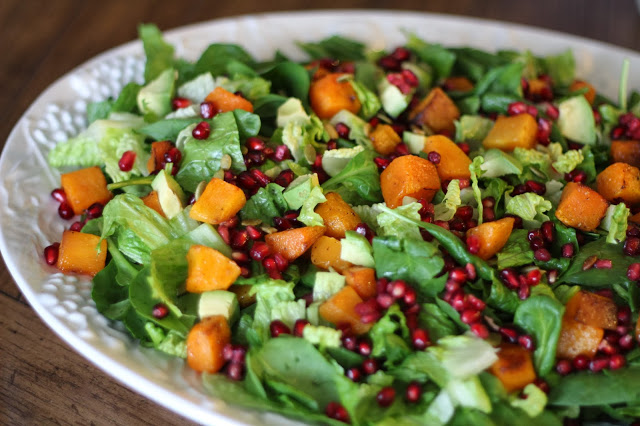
620 182
626 152
206 342
81 253
590 95
363 281
152 201
329 94
85 187
337 215
224 101
508 133
592 309
578 339
454 163
581 207
341 309
492 236
437 111
293 243
325 254
158 150
514 367
384 139
220 201
209 270
457 84
409 176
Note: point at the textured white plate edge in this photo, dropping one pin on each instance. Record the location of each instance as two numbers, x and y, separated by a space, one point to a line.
130 378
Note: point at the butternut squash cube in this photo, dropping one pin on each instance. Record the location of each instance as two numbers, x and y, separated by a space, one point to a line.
219 202
578 339
437 111
152 201
508 133
454 163
224 101
341 309
85 187
409 176
156 160
206 342
626 152
363 281
384 139
337 215
457 84
329 94
209 270
514 367
492 236
325 254
590 95
620 182
293 243
593 310
81 253
581 207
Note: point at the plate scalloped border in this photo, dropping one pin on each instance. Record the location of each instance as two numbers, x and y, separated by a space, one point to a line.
28 220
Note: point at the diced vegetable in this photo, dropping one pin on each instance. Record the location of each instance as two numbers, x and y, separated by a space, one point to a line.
151 200
340 310
492 236
209 270
85 187
158 150
224 101
593 310
626 152
337 215
293 243
81 253
458 84
620 182
330 94
409 176
454 163
206 342
437 111
384 139
578 339
325 254
363 281
590 95
514 367
508 133
220 201
581 207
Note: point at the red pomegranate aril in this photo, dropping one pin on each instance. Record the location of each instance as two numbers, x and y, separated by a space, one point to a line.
452 286
282 223
368 307
389 63
509 333
473 244
386 396
385 300
414 392
568 250
524 291
350 342
536 243
488 215
253 232
533 277
77 226
281 262
480 330
354 374
564 367
631 246
547 230
420 339
246 181
235 371
616 362
331 145
626 342
603 264
160 311
381 285
370 366
526 342
262 179
207 110
342 130
401 54
476 303
607 348
470 268
552 111
59 195
465 213
533 234
178 103
238 354
598 363
259 251
624 315
272 268
223 230
298 327
277 328
516 108
580 362
364 348
284 178
255 144
536 187
410 298
509 278
240 256
280 153
542 385
173 155
201 131
434 157
51 253
337 412
239 239
410 78
469 316
65 211
382 163
580 176
459 301
94 211
254 158
227 352
397 289
633 272
532 110
542 255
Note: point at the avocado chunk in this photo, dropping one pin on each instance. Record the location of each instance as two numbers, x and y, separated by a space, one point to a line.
334 160
393 100
298 190
576 120
356 249
499 163
155 97
219 302
414 141
171 197
207 235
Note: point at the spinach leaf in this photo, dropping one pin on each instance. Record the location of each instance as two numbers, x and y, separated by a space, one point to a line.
159 53
438 57
168 129
289 79
500 297
335 47
436 322
561 67
111 300
99 110
217 57
359 182
589 389
126 102
265 204
266 107
541 317
516 252
389 337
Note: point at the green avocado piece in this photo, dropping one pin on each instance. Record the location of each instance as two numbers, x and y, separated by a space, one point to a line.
155 97
576 120
171 197
219 302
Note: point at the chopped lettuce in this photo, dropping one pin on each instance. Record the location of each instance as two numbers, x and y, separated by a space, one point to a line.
615 222
447 208
325 337
392 226
368 99
269 294
307 214
530 207
358 128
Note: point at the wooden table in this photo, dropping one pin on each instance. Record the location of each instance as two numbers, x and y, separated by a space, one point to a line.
42 380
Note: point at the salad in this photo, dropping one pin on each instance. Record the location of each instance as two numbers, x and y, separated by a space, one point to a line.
425 235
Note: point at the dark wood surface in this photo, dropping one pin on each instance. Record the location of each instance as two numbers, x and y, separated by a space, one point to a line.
42 380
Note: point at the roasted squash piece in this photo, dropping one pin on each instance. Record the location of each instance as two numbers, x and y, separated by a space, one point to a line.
293 243
509 133
363 281
578 339
81 253
341 309
590 95
337 215
330 94
156 160
384 139
409 176
581 207
593 310
206 342
492 236
626 152
454 163
457 84
437 111
325 254
85 187
209 270
220 201
620 182
224 101
514 367
151 200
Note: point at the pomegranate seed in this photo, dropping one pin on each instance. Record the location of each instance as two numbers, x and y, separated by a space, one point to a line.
542 385
207 110
533 277
410 78
94 211
240 257
397 289
342 130
606 347
381 285
59 195
235 371
616 362
337 412
622 329
509 333
516 108
564 367
410 297
631 246
509 278
160 311
178 103
255 144
239 239
580 176
568 250
253 232
401 149
332 144
624 315
401 54
262 179
476 303
548 231
459 275
201 131
382 163
465 213
368 307
414 392
473 244
542 255
526 342
532 110
626 342
480 330
259 251
524 291
349 342
284 178
246 181
386 396
364 348
469 316
389 63
536 187
254 158
370 366
51 253
281 262
299 326
282 223
384 300
234 353
458 301
281 153
173 155
277 328
272 268
536 243
65 211
434 157
354 374
552 112
470 268
598 363
633 272
77 226
420 339
603 264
